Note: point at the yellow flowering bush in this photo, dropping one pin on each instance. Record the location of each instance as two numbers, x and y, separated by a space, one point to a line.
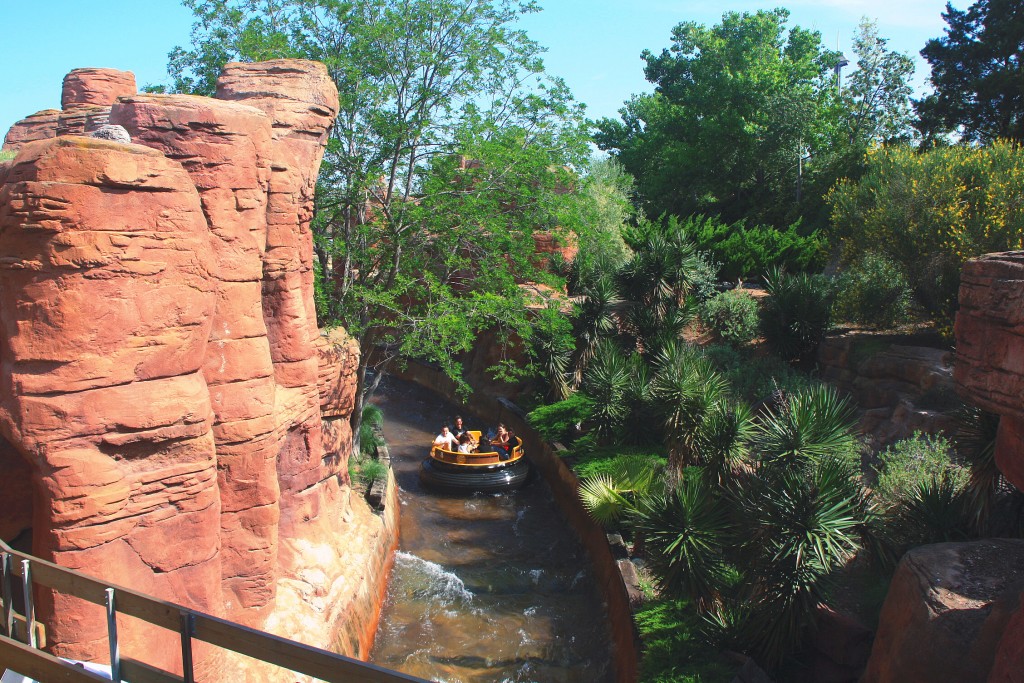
931 211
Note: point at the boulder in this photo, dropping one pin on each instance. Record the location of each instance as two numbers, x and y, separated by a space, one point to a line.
39 126
96 86
947 608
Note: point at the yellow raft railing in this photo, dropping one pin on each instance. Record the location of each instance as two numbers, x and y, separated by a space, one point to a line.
24 572
476 459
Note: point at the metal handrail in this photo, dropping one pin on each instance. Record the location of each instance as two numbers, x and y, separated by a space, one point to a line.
188 623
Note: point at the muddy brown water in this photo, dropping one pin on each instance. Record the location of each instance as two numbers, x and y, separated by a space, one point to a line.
485 588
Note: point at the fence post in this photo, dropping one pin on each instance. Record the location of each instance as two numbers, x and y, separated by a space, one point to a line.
6 571
30 607
115 651
187 627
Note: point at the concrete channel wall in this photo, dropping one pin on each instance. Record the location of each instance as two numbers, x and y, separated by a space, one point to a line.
564 485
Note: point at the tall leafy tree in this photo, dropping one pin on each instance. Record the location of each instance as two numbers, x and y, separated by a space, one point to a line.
735 110
451 147
977 74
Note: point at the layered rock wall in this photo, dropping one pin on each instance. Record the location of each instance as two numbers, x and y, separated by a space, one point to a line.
106 298
183 422
989 373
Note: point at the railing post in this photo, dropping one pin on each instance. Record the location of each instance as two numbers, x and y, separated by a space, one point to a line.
187 627
30 607
115 652
6 571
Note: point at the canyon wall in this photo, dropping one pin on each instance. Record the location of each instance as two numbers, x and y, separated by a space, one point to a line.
989 373
956 610
172 420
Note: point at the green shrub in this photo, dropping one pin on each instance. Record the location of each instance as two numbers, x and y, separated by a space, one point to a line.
931 211
745 252
754 378
371 470
557 422
370 438
797 313
909 464
7 154
704 277
733 316
675 649
874 291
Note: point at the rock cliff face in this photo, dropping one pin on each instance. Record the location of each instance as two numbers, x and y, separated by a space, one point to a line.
181 419
990 373
955 611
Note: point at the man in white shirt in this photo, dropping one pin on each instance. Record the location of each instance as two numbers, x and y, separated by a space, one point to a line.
446 439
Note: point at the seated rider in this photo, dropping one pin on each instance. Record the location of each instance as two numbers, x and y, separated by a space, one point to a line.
446 439
466 443
500 442
458 428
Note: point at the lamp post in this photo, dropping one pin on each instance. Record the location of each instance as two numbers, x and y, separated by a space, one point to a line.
843 61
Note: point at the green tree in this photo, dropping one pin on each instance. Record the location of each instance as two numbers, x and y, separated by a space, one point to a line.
977 74
451 147
877 94
735 108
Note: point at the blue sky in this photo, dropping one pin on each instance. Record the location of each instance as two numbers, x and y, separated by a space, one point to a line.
594 45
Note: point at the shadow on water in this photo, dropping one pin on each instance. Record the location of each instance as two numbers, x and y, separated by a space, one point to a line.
488 587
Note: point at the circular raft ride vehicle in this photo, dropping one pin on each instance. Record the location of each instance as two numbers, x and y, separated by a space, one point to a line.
487 472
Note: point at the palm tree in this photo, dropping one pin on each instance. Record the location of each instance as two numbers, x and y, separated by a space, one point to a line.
797 313
606 383
596 319
723 440
686 388
612 495
801 523
810 424
684 534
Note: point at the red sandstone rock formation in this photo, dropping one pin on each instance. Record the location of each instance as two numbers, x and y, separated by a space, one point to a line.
39 126
85 101
948 605
105 299
301 100
96 86
990 349
168 392
225 148
989 372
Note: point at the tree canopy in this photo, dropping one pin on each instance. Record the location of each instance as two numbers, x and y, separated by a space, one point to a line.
977 74
747 121
451 148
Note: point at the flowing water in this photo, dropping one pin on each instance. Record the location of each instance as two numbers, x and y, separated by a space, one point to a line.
485 587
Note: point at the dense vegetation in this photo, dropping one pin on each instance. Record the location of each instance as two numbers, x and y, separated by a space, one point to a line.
452 146
733 471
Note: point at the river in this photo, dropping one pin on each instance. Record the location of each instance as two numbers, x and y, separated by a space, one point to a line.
492 588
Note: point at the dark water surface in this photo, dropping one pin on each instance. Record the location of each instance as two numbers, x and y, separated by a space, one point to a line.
489 587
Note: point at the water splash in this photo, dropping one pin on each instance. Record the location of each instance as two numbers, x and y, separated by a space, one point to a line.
432 582
520 513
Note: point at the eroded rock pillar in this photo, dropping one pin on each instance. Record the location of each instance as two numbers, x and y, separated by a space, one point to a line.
225 148
105 302
301 101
